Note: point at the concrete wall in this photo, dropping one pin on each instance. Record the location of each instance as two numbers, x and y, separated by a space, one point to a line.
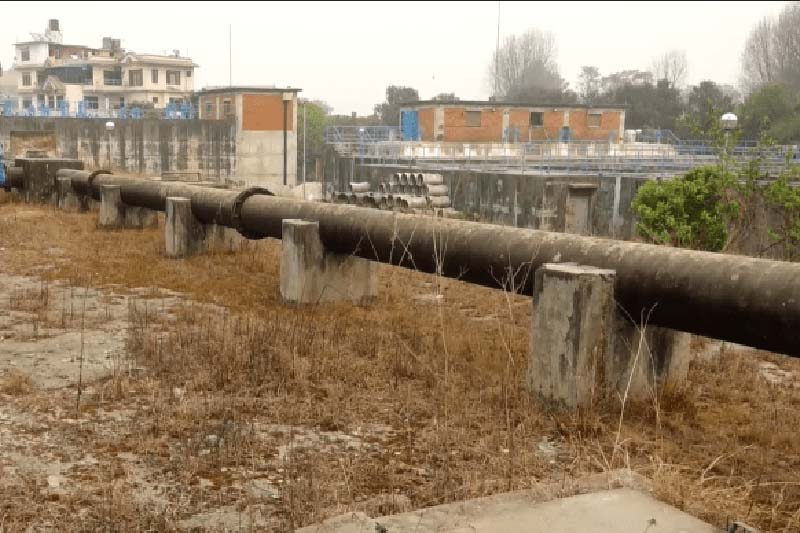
538 202
147 147
258 119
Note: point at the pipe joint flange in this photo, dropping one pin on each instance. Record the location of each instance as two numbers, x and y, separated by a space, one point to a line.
93 175
236 209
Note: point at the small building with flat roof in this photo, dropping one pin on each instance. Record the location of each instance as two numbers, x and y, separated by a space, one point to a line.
494 122
262 115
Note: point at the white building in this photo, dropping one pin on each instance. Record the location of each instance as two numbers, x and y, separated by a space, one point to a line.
104 79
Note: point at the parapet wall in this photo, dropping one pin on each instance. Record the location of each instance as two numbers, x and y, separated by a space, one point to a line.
205 148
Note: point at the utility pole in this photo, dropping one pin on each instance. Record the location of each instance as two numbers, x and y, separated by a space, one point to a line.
230 55
305 131
497 55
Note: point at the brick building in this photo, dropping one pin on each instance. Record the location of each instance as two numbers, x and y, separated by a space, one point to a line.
490 122
261 115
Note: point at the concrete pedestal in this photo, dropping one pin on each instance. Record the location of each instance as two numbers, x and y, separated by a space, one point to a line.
140 217
221 239
573 323
183 233
582 347
309 274
663 358
65 196
112 210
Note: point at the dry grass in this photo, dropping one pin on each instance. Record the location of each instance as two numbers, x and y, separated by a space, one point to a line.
16 383
445 382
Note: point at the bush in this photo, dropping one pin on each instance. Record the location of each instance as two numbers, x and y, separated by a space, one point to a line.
691 211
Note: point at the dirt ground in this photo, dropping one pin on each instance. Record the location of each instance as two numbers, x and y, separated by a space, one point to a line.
138 392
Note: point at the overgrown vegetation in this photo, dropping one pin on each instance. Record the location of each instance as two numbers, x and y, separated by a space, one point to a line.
722 207
690 212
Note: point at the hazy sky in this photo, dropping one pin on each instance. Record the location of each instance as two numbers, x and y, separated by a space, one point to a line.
346 53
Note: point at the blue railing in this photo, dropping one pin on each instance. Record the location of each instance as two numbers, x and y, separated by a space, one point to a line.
182 111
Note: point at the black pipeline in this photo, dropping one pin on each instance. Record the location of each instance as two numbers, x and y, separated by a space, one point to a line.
751 301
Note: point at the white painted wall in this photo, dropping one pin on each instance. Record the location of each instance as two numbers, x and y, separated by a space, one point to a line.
39 53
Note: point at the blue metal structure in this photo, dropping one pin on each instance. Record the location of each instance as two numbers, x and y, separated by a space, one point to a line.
183 111
409 123
2 168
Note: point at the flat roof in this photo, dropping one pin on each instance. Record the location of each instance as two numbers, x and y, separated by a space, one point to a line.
51 43
489 103
248 89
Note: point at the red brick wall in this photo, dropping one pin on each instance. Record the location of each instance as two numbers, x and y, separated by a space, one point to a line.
491 128
425 118
456 129
264 112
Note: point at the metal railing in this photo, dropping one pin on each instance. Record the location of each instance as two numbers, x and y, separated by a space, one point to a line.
173 111
574 157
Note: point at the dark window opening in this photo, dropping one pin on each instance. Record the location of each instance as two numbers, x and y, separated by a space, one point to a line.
537 119
135 78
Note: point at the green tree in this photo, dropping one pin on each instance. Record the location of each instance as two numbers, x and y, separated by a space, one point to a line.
650 105
765 109
389 111
705 103
589 84
782 197
691 211
316 118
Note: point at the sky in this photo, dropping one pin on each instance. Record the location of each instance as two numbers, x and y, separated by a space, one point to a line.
346 53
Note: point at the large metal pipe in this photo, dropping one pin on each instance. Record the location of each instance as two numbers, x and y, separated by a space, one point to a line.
14 177
751 301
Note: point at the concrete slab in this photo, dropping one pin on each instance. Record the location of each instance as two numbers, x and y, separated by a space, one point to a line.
622 510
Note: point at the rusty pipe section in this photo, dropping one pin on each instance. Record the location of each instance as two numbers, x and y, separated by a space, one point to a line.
750 301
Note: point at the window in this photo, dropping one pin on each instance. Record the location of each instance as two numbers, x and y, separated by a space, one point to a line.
209 109
188 73
154 75
473 118
155 99
27 102
226 107
26 79
122 101
112 77
91 102
173 77
593 120
39 78
537 119
135 78
25 54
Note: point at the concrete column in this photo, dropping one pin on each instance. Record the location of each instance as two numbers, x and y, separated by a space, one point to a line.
582 347
573 325
140 217
65 195
183 233
112 210
648 357
309 274
222 239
